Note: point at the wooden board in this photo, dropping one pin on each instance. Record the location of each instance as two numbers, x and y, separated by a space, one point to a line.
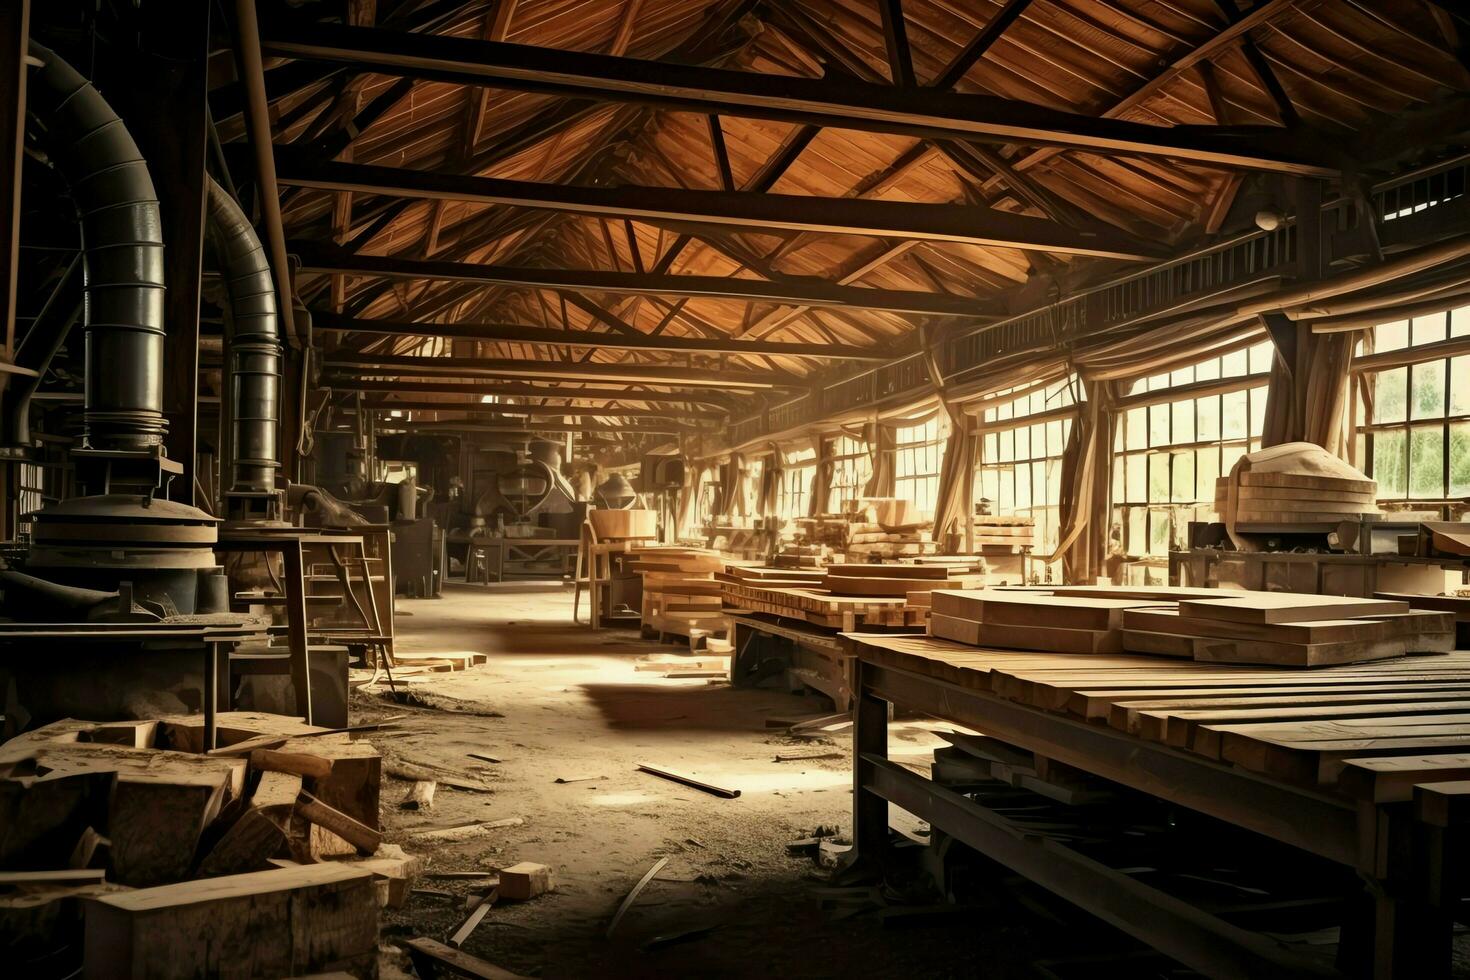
279 923
1031 609
1286 607
1262 478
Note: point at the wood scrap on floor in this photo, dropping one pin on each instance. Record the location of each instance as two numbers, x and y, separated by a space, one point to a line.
431 959
633 894
677 777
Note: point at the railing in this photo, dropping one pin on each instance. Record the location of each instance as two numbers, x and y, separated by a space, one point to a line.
1234 262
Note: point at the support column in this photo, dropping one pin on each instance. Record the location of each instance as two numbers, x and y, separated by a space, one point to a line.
14 37
159 87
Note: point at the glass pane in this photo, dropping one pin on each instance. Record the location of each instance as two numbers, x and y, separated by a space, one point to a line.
1056 439
1006 499
1389 463
1181 376
1460 385
1023 442
1426 383
1158 532
1258 410
1137 429
1391 336
1234 415
1137 491
1426 462
1158 478
1023 486
1118 494
1183 421
1460 322
1207 471
1390 393
1183 490
1460 459
1207 370
1428 329
1137 530
1158 425
989 485
1234 364
1261 356
1228 457
1207 418
988 452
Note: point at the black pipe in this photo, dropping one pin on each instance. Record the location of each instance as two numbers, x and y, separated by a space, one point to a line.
122 247
253 348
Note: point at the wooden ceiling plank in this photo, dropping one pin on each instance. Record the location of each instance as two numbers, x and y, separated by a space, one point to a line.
831 103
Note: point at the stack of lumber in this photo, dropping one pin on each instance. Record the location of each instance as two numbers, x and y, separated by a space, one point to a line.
1367 731
1288 629
1456 605
1004 535
1290 486
800 594
912 583
867 542
218 858
802 556
764 576
1271 628
680 594
1441 539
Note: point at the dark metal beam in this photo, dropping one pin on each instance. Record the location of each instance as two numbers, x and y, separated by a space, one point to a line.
543 411
516 333
803 291
832 103
514 390
744 210
473 367
658 428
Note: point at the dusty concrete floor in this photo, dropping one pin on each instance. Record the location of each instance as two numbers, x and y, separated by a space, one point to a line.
559 701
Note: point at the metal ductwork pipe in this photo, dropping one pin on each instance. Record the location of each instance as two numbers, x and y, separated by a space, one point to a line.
122 247
253 349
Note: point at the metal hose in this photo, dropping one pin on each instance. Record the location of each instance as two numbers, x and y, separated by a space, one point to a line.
253 349
122 247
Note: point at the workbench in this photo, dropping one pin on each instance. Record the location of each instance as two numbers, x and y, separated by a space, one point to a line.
1392 808
817 658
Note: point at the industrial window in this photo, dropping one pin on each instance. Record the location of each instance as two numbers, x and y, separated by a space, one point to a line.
1414 431
1169 450
916 457
851 469
796 481
1019 464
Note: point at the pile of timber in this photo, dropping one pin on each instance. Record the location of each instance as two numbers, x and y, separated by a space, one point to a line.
1004 535
1296 485
125 846
912 583
801 594
1218 626
1367 732
802 556
1457 605
829 530
680 594
869 542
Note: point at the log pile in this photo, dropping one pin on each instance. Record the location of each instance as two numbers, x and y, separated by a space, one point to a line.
131 836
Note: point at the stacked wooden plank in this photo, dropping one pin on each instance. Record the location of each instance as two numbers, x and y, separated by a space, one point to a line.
829 530
211 841
867 542
1004 535
1031 621
1457 605
1287 629
1364 730
1197 624
914 583
1292 486
680 594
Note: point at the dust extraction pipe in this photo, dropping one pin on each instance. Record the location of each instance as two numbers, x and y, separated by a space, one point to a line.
122 249
253 350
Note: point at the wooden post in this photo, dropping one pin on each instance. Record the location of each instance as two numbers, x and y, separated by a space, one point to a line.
159 85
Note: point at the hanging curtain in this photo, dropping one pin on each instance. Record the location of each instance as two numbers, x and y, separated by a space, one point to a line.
1085 508
955 501
821 488
688 516
1310 391
881 441
772 473
730 500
